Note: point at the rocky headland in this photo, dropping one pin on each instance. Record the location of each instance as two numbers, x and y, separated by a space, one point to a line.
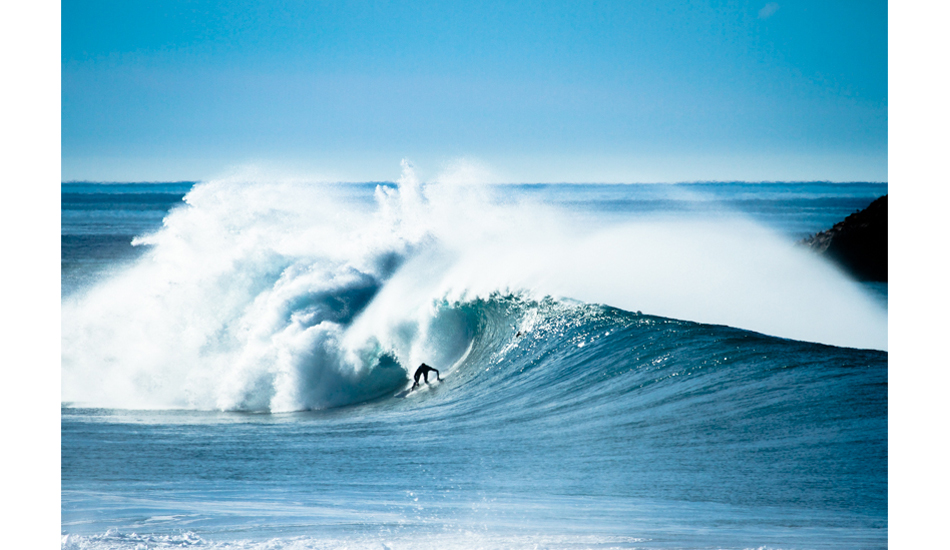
858 243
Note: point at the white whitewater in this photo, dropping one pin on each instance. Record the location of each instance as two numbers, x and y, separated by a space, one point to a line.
279 296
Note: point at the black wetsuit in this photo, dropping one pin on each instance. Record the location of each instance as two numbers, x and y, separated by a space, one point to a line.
423 371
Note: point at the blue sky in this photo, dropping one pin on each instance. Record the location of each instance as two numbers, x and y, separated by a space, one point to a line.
527 91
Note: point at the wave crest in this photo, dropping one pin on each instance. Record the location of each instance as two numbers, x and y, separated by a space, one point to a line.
245 301
276 296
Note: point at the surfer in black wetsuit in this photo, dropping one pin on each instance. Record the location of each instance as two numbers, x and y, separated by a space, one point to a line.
423 371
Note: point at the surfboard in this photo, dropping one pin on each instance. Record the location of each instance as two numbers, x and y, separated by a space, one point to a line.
421 387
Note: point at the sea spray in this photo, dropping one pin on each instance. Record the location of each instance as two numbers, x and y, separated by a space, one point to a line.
243 303
259 295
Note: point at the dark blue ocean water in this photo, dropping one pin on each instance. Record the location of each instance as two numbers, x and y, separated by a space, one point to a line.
231 381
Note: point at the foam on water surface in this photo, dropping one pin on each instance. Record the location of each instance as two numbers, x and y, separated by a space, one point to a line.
609 380
287 296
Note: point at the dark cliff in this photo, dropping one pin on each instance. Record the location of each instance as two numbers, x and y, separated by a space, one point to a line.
859 243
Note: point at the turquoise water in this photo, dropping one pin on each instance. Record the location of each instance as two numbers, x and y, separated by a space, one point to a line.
231 380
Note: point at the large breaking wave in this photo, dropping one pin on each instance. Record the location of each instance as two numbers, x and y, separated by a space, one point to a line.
281 296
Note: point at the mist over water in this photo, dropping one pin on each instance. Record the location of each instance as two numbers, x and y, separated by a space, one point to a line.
261 295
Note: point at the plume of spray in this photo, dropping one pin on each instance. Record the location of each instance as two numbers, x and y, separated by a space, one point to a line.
280 296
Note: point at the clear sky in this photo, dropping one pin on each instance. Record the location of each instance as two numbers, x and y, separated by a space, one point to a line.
504 91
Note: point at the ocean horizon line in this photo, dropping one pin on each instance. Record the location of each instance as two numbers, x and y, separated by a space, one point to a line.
387 182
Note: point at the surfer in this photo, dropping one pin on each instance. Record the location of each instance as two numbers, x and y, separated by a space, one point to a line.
423 371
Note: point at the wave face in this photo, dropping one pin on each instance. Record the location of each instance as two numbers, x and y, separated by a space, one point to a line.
563 424
286 296
615 376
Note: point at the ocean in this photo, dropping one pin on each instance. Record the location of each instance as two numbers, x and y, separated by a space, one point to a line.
649 366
